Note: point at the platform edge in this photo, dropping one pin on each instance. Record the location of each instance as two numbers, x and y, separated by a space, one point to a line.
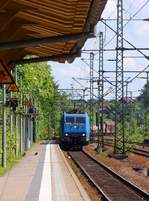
81 189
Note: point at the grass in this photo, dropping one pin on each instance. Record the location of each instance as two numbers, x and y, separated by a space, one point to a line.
14 161
101 154
11 164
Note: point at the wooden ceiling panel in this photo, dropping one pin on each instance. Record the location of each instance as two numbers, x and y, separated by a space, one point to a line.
15 54
16 33
47 20
32 19
42 30
3 4
53 49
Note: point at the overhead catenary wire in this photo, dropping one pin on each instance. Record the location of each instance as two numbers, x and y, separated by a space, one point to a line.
133 77
134 20
139 73
136 13
97 73
145 56
130 5
131 18
128 20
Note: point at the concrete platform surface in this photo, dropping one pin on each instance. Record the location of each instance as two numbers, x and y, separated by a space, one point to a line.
42 175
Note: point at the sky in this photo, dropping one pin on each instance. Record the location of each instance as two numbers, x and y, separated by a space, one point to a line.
135 32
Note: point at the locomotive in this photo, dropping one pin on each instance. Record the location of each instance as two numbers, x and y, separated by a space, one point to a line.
75 130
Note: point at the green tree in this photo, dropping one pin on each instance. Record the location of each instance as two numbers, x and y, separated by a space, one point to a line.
144 97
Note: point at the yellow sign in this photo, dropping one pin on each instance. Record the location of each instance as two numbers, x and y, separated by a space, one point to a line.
12 87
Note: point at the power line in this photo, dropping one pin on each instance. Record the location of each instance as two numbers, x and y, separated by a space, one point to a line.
139 73
145 56
131 18
112 49
135 20
141 8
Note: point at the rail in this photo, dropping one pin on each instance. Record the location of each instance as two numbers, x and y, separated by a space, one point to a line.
111 185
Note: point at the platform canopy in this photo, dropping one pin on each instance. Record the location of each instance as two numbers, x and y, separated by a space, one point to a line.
5 75
51 29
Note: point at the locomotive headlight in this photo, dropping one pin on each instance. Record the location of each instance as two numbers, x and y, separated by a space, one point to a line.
83 134
66 134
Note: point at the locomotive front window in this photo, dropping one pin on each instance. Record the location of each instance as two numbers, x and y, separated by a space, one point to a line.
80 120
70 120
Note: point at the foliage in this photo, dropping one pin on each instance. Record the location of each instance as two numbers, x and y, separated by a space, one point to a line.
35 82
144 97
39 86
10 142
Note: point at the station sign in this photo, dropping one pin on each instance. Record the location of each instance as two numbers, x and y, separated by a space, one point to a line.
12 88
27 103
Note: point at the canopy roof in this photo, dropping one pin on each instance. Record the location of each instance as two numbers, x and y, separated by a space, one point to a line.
26 21
5 75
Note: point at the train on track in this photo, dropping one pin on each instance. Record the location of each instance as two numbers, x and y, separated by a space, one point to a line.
75 130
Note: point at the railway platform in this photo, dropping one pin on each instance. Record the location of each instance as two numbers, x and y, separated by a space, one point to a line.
42 175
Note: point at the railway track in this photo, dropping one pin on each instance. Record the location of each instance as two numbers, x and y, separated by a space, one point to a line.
112 186
139 149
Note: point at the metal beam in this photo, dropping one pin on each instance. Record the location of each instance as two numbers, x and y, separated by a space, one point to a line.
4 127
100 84
114 19
114 49
122 48
11 115
91 91
16 119
21 116
47 58
70 89
119 138
129 71
45 41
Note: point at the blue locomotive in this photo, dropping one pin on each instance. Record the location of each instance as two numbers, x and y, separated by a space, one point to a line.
75 129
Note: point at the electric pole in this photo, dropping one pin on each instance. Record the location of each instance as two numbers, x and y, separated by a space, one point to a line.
91 91
21 116
16 116
4 126
119 141
100 83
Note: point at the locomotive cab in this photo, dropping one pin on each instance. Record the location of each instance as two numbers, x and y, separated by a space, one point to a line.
75 129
